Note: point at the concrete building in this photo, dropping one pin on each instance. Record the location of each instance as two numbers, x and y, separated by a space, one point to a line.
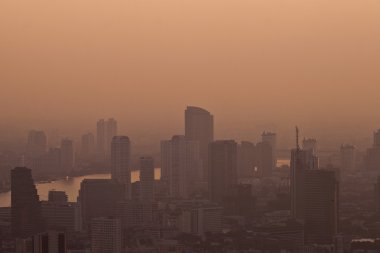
67 155
120 162
321 206
199 126
223 168
271 139
49 242
25 205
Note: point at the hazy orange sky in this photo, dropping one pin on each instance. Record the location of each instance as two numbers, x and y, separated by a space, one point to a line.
254 64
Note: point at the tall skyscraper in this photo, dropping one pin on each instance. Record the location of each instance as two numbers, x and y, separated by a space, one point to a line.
25 205
223 168
37 144
199 126
146 179
87 145
321 206
105 131
348 157
301 160
372 159
106 235
182 165
67 155
271 139
120 162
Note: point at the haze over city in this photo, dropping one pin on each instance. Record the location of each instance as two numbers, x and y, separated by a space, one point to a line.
254 64
178 126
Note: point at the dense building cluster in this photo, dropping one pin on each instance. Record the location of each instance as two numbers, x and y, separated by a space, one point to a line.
211 196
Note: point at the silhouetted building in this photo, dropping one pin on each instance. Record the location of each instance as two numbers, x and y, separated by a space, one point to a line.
223 168
57 196
271 139
49 242
98 198
54 160
67 155
321 206
105 131
120 162
264 159
61 215
106 235
246 159
25 205
239 201
146 179
182 161
199 126
348 157
377 196
87 145
37 144
301 161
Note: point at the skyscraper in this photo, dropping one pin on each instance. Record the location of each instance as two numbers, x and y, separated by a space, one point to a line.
105 235
372 159
49 242
67 155
199 126
120 162
182 165
301 160
223 168
37 144
105 131
25 205
271 139
146 179
321 206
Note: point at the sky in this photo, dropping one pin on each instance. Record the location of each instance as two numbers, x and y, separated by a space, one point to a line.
254 64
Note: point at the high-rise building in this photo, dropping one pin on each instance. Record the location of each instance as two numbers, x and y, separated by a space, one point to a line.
321 206
105 131
49 242
54 160
271 138
57 196
348 157
59 214
37 144
264 159
199 126
87 145
377 196
98 198
67 155
246 159
223 168
120 162
25 205
310 145
106 235
182 165
146 179
301 160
